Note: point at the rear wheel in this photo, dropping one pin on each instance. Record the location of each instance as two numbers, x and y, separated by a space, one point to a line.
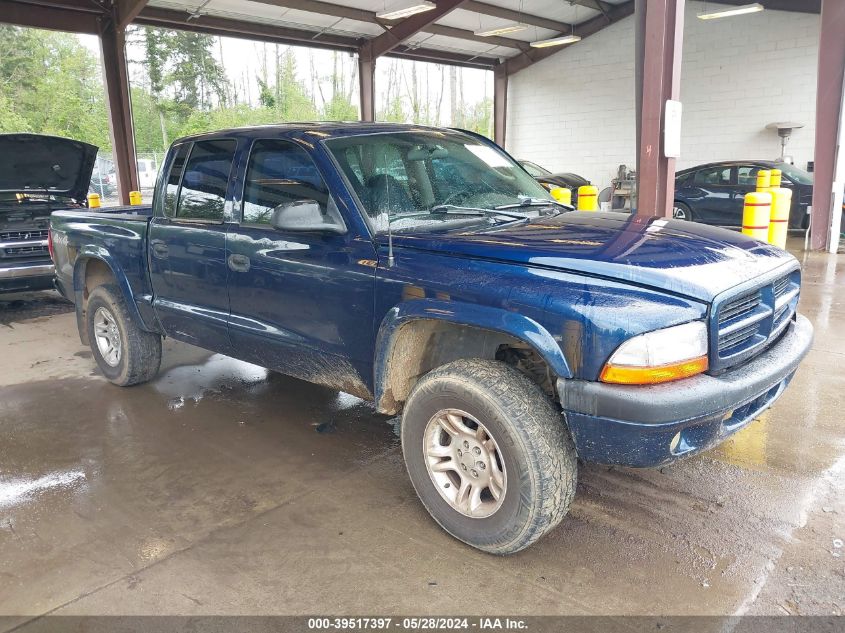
126 354
680 211
488 454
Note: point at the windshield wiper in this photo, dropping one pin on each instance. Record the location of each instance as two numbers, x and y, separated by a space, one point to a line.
453 209
535 202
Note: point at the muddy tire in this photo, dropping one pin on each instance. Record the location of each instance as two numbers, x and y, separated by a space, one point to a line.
483 424
126 354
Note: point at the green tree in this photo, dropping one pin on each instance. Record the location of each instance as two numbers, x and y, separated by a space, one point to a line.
339 108
11 121
51 84
478 117
294 102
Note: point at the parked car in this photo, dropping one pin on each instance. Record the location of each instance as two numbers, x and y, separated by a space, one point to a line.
714 193
38 174
103 180
551 180
423 269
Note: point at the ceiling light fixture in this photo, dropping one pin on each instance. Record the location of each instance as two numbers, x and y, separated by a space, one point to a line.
557 41
402 10
728 13
502 30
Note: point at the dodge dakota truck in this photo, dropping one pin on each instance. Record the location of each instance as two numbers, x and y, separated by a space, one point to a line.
38 174
425 270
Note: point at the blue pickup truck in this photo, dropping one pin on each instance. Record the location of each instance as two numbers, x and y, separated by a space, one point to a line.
425 270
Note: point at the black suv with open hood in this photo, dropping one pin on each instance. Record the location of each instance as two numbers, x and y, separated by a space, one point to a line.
38 174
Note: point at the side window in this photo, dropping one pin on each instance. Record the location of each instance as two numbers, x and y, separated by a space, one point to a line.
171 187
203 192
279 173
713 176
747 175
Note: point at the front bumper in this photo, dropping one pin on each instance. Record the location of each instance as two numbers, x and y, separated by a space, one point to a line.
644 426
21 277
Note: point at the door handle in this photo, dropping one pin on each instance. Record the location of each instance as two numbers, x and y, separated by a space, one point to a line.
238 263
160 249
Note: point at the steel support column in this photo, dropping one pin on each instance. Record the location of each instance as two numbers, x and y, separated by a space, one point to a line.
500 103
116 76
366 85
659 40
828 114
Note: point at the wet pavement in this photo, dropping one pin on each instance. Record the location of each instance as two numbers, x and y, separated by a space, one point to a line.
220 488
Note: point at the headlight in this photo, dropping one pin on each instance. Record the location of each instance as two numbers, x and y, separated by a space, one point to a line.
659 356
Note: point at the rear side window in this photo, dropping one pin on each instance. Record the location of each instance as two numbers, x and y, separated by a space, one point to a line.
278 173
171 187
747 175
203 192
713 176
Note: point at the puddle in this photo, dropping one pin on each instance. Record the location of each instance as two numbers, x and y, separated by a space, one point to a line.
192 382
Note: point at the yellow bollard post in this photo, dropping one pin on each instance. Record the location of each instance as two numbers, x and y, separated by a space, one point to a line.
588 198
755 214
779 215
764 179
134 198
562 194
774 178
93 201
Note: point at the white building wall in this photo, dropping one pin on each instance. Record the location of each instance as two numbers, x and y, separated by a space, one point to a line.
574 111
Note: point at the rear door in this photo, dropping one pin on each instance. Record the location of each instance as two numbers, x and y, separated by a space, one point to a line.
302 301
188 244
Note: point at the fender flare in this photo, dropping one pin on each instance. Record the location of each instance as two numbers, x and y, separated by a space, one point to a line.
80 266
513 324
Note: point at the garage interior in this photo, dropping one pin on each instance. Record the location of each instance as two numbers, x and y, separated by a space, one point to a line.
221 488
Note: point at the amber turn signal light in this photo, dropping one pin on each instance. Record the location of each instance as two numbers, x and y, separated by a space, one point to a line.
628 375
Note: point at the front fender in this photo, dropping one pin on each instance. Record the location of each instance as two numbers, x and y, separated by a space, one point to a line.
498 320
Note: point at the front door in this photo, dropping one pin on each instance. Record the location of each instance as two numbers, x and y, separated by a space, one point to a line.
302 301
188 245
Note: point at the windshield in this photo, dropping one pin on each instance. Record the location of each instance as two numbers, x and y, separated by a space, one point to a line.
796 174
406 179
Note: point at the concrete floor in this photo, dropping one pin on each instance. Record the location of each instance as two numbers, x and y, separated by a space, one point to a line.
217 489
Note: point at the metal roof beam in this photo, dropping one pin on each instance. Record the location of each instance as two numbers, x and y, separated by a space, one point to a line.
515 16
55 18
363 15
390 39
227 27
796 6
585 29
127 10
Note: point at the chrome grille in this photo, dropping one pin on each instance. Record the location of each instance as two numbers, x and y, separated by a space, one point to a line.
744 324
780 286
739 307
737 337
18 251
23 236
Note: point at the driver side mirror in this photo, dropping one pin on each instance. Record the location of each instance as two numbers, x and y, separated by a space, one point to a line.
306 215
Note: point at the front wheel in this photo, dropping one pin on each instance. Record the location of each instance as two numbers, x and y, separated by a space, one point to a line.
488 454
126 354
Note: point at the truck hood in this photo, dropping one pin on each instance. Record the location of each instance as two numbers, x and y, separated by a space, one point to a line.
34 162
685 258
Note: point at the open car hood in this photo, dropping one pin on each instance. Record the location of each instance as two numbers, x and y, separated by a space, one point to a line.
46 164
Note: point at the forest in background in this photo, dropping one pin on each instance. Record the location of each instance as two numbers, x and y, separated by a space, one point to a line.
52 84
